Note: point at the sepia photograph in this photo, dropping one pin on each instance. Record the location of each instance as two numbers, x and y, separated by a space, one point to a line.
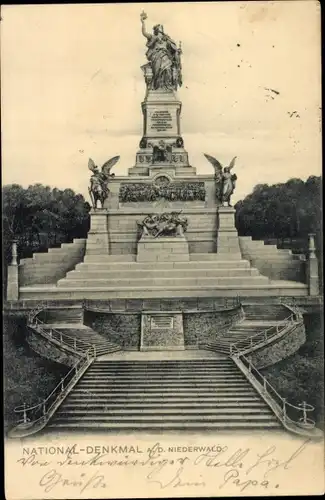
162 250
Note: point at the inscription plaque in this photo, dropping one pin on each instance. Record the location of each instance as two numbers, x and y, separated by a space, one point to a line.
161 322
162 120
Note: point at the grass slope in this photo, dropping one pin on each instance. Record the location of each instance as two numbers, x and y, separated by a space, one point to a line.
28 378
300 377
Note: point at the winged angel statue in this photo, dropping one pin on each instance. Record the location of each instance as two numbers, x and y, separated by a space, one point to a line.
98 189
224 179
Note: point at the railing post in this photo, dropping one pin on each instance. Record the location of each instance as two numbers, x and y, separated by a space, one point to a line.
75 343
94 347
249 366
62 385
265 335
230 349
25 414
304 411
44 408
264 384
50 332
61 338
284 409
251 341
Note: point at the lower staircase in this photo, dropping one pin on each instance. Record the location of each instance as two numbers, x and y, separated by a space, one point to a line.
165 394
239 332
257 318
86 335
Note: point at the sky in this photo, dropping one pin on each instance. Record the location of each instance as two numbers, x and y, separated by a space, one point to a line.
72 88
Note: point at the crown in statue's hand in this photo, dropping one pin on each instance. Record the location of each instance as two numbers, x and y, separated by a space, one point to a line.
143 15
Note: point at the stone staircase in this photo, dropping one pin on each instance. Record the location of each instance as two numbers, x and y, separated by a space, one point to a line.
164 394
84 334
239 332
48 267
257 318
277 264
204 275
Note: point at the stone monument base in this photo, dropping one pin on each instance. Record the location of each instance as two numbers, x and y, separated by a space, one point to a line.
162 331
163 249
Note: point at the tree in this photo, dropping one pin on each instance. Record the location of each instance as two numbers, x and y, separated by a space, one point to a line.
289 210
39 211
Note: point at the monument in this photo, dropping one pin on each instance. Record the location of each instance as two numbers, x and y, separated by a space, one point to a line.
162 239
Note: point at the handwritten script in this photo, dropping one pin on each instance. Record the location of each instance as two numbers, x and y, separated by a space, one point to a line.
219 466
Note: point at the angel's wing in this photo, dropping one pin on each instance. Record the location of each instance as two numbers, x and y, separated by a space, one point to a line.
215 163
91 165
109 165
232 163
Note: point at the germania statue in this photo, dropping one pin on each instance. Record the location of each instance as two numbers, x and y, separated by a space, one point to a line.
164 58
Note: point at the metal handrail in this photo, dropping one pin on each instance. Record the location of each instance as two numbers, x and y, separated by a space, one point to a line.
62 338
250 342
36 413
41 410
285 411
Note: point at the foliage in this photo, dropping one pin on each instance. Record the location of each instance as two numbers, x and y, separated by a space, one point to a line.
300 377
289 210
28 378
174 191
39 217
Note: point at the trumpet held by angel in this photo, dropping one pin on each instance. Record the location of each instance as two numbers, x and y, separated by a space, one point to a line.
98 188
224 179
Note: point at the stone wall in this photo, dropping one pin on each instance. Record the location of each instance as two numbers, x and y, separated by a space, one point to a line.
49 267
122 329
203 327
280 349
125 329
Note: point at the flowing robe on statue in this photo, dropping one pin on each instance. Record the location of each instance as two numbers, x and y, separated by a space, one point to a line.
227 186
161 53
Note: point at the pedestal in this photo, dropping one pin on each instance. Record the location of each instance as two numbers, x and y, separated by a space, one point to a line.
312 276
228 242
12 283
312 267
97 240
163 249
162 332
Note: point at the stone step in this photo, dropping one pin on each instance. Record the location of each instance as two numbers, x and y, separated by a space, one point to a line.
100 263
106 379
220 391
163 418
190 404
164 363
95 401
141 412
243 425
93 274
271 289
211 384
71 282
110 258
205 256
151 373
